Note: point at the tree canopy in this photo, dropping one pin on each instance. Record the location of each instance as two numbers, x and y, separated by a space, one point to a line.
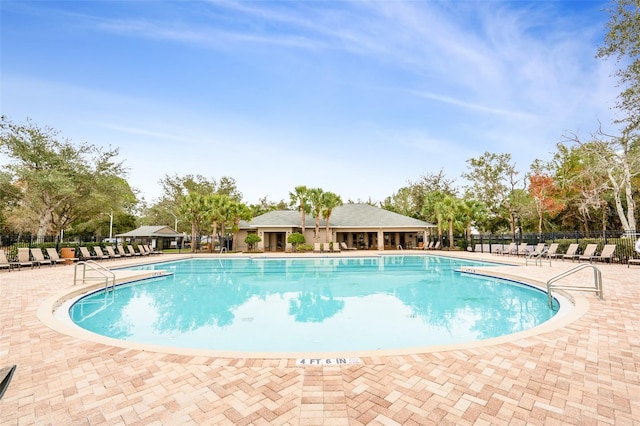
58 182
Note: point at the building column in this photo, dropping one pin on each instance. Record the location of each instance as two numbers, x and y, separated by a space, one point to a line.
260 245
380 240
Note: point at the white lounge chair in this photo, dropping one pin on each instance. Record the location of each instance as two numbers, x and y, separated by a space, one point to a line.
24 258
86 255
571 252
343 246
112 254
100 254
38 257
6 263
589 252
54 256
123 253
606 255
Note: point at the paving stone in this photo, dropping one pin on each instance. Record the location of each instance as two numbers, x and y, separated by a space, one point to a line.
580 372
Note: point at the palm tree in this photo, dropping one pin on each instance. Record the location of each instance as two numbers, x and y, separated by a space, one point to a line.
316 199
238 212
193 208
431 209
301 198
329 202
448 208
217 207
472 211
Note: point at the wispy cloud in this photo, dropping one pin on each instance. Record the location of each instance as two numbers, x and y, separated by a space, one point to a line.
142 132
472 106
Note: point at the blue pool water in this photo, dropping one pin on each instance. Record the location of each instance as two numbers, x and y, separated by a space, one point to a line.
312 304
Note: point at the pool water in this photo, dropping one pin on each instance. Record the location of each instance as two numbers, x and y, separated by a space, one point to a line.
312 305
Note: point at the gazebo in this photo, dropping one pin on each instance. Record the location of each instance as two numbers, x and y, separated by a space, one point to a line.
159 237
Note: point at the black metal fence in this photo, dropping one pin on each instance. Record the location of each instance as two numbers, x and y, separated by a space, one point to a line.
487 243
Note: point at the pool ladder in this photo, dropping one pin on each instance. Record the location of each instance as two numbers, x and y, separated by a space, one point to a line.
596 288
96 272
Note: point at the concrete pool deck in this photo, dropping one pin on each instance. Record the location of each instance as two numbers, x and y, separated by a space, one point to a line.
585 370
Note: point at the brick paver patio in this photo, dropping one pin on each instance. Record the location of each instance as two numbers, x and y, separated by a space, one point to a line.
583 371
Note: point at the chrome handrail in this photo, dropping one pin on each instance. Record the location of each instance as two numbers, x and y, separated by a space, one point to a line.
104 274
597 278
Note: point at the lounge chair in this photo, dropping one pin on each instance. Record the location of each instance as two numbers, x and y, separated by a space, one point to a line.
537 254
335 247
100 254
316 248
522 250
552 253
112 254
132 250
86 255
436 246
538 249
142 251
6 263
505 250
6 374
633 261
38 257
154 250
54 256
24 258
589 252
123 253
429 246
343 246
572 252
606 255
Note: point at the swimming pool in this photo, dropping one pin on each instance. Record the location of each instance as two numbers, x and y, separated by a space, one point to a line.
312 305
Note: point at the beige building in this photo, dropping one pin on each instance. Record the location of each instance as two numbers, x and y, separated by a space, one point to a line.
359 226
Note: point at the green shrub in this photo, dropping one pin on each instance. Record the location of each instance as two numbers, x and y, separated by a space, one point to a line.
304 247
296 239
251 240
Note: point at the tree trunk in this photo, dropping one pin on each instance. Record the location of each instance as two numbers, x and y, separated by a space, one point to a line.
450 233
193 236
44 221
214 235
326 231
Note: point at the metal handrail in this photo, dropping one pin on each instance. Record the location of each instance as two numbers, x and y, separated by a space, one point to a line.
537 256
597 278
103 273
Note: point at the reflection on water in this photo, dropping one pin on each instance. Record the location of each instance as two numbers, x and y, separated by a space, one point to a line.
312 304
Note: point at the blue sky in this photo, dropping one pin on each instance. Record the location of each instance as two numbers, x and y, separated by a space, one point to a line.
354 97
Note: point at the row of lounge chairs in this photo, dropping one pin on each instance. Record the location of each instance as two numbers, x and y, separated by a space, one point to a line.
116 253
329 247
34 257
29 258
542 251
